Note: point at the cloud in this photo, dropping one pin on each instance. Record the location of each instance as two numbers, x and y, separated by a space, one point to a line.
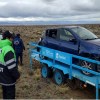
49 9
90 6
48 1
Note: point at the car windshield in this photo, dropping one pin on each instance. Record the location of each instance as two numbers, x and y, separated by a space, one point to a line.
83 33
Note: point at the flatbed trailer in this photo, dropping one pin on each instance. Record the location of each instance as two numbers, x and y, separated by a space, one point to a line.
62 65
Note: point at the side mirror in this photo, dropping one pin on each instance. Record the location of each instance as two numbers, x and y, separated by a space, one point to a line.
73 40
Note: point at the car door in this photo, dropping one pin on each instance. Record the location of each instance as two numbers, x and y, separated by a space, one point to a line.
52 39
68 42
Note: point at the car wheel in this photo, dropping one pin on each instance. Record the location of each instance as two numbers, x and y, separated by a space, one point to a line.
88 65
59 77
46 72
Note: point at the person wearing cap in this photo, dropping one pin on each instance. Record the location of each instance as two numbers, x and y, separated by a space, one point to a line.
9 73
18 47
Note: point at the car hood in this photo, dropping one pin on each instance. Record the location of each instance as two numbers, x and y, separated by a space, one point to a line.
95 42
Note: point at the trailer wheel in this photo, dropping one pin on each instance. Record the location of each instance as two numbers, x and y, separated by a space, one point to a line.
59 77
46 72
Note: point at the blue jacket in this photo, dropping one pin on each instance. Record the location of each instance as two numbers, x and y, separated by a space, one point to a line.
18 45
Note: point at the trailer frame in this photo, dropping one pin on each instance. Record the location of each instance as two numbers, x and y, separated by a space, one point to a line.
63 61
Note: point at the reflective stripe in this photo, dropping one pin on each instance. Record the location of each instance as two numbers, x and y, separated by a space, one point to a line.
2 63
10 61
7 84
11 66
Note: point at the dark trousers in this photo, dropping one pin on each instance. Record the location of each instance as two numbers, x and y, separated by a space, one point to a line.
8 92
19 55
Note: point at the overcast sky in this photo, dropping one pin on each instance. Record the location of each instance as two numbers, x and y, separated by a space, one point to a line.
49 10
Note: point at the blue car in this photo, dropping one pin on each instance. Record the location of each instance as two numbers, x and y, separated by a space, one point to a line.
75 40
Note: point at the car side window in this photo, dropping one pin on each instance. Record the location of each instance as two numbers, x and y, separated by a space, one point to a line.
66 36
52 33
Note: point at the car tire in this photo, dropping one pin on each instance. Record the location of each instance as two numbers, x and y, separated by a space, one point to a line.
88 65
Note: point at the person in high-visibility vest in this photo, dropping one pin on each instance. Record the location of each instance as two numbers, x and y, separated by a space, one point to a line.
9 73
